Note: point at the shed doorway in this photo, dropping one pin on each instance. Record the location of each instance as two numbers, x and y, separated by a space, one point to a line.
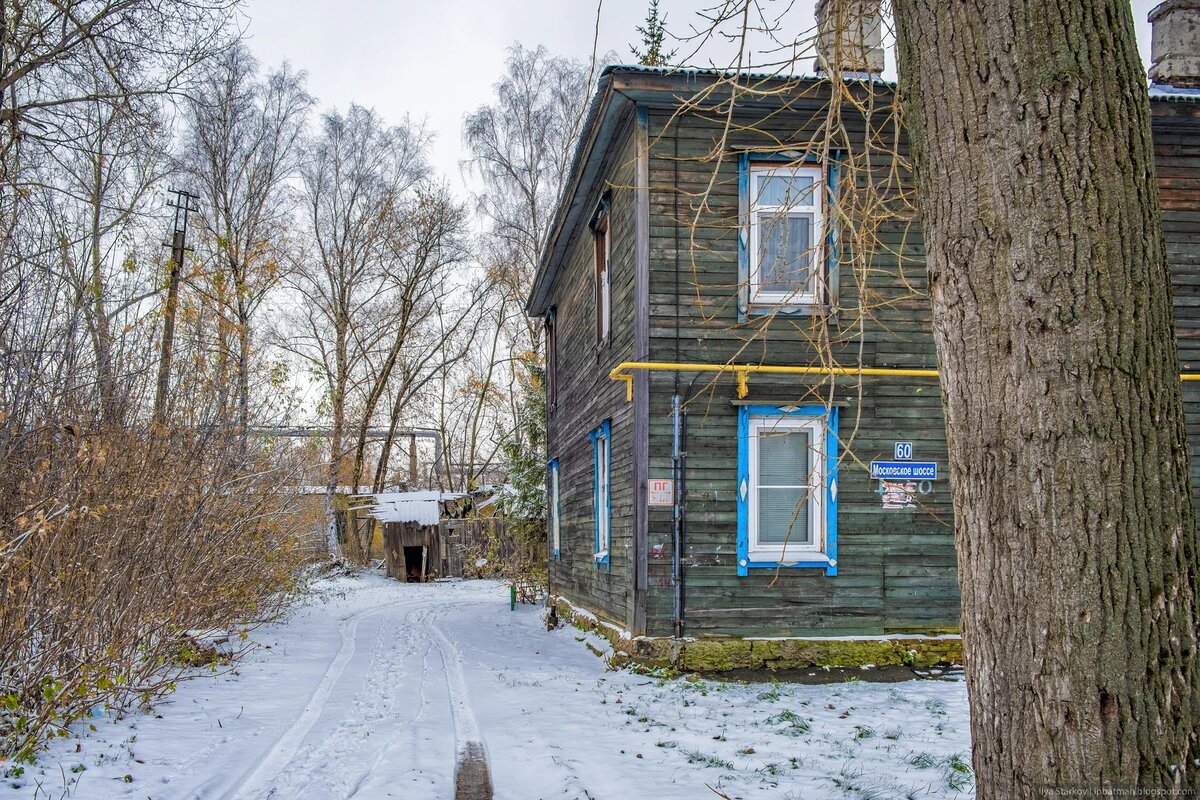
415 564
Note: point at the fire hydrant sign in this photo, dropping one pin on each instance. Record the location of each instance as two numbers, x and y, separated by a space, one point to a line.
660 492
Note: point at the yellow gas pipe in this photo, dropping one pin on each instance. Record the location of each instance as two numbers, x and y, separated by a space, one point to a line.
621 372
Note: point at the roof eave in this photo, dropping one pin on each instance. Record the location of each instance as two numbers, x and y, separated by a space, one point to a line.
569 203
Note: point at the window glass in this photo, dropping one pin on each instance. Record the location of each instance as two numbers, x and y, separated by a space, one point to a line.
554 520
785 190
784 470
602 500
785 217
785 253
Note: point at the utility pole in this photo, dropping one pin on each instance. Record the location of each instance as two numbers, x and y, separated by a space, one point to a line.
412 462
184 203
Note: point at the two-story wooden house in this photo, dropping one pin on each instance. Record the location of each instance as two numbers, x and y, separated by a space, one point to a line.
732 339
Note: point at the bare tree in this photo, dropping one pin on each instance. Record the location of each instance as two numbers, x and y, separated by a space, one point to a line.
422 307
521 147
242 146
356 176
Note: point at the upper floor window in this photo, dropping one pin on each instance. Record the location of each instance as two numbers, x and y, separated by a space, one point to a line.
786 221
551 360
602 245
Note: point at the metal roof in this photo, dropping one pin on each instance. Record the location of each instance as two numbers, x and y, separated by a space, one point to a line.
423 508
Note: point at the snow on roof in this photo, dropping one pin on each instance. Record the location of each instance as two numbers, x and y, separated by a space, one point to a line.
1164 91
495 493
423 508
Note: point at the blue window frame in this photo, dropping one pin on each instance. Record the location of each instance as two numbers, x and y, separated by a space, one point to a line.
553 509
785 230
601 495
787 487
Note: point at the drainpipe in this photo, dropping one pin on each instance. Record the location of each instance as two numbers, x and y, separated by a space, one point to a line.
679 507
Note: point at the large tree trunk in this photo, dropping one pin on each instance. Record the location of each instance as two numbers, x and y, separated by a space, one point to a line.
1030 129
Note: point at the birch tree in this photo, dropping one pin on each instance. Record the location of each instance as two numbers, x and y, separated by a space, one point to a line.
520 148
242 146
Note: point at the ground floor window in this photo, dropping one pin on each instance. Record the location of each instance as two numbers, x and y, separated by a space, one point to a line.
601 496
553 513
787 487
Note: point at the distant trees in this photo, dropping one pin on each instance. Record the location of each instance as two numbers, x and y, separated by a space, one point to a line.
241 146
380 293
520 148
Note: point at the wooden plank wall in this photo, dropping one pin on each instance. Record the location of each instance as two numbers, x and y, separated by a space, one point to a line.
896 568
1177 163
586 397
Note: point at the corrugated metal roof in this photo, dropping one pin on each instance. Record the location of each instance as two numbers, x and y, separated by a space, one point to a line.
1179 93
423 508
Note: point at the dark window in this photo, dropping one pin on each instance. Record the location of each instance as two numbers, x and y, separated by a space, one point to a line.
551 359
603 251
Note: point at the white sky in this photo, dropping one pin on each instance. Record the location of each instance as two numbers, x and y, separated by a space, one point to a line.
438 60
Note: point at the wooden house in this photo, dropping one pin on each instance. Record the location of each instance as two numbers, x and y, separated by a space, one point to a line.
710 477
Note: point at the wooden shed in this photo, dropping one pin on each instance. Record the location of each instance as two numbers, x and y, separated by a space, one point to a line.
414 539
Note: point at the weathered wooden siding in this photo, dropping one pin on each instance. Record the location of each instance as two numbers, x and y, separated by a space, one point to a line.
586 397
896 569
1177 162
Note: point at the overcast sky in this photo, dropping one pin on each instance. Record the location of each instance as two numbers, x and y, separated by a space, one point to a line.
438 60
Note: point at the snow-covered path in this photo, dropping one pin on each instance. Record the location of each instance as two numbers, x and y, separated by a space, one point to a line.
363 688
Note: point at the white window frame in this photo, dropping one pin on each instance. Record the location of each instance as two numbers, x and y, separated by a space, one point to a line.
603 479
555 515
816 489
815 207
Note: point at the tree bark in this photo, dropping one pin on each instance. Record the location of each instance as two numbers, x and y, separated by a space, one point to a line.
1030 129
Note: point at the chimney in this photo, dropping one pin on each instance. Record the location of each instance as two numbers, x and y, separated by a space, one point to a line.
1175 44
849 37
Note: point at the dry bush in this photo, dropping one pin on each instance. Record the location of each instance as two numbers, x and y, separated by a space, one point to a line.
511 550
123 554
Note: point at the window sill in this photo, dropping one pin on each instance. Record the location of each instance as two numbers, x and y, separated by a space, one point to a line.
766 560
764 308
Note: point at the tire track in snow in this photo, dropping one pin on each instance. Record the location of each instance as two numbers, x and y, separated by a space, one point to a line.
472 778
288 743
408 728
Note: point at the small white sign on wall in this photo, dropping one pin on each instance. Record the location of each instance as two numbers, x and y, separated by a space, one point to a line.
660 492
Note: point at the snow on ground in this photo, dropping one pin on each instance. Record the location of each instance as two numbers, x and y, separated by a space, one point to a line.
349 698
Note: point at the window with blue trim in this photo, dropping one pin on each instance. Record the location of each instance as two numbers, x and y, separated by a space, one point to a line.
601 496
785 234
553 508
787 487
787 247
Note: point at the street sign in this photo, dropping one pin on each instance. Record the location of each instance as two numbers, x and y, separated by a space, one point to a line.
903 451
904 470
660 492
